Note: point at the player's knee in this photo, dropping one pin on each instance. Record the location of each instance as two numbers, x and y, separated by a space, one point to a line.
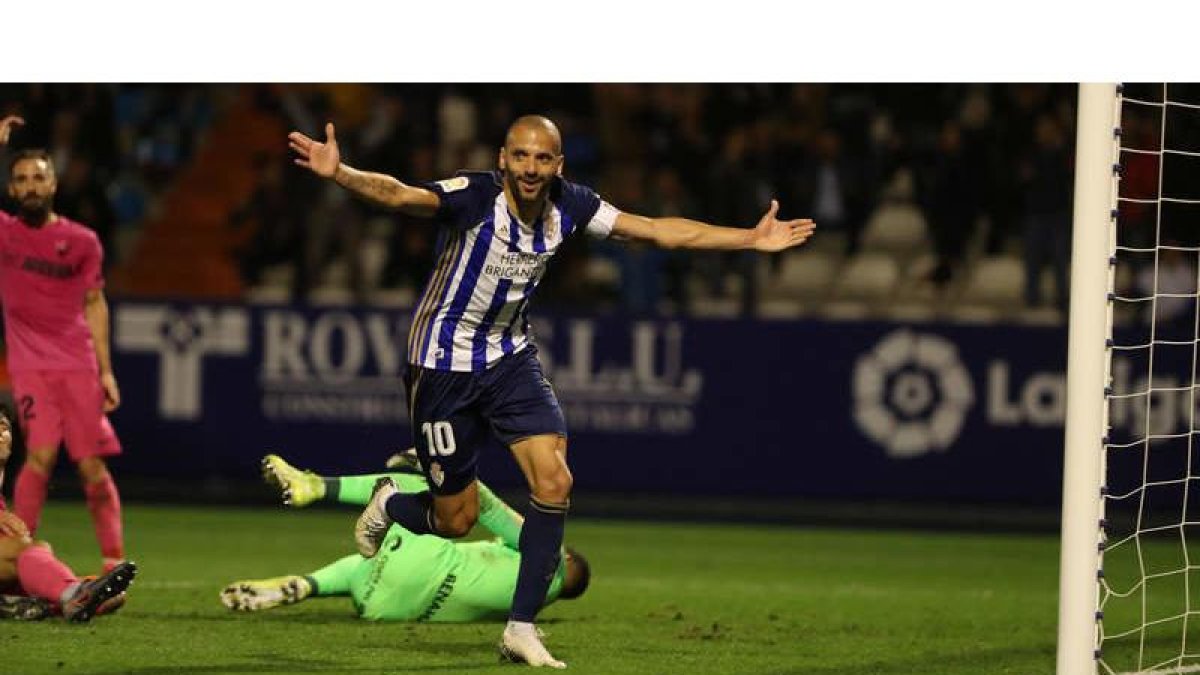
93 470
553 487
41 461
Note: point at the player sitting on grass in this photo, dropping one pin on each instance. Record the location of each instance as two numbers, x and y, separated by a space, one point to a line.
414 577
35 584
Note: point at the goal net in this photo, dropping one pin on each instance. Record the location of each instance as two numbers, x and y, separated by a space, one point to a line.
1145 526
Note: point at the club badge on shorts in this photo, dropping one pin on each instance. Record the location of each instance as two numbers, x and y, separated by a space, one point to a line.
436 474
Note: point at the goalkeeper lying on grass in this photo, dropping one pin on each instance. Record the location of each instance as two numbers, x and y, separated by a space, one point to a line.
414 577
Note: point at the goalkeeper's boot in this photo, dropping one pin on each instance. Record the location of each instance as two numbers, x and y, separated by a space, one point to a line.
257 595
298 488
87 600
373 524
23 608
405 462
522 643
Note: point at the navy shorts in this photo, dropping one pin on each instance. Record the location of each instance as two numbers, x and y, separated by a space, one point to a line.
455 415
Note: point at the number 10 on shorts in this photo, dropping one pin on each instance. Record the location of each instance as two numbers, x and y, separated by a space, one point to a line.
439 436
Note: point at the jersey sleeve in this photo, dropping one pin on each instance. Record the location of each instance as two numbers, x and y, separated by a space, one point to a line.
587 211
92 271
464 199
7 221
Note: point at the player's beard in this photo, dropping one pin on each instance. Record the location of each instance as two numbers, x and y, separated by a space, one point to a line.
35 210
514 186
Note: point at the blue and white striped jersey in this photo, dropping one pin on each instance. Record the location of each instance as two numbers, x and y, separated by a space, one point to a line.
473 309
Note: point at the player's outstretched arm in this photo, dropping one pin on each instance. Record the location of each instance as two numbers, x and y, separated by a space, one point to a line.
7 124
770 235
325 160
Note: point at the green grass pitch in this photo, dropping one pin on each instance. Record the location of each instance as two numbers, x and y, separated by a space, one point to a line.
665 598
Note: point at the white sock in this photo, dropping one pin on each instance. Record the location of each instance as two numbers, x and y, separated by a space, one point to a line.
520 626
68 592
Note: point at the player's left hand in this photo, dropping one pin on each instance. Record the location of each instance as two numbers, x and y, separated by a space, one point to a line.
112 393
322 158
772 234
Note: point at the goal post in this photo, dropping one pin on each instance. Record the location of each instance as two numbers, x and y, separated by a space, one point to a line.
1090 321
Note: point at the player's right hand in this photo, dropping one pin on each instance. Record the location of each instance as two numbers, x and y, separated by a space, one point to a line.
321 158
6 126
12 526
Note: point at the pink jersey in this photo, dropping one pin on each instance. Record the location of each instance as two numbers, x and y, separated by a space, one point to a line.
45 274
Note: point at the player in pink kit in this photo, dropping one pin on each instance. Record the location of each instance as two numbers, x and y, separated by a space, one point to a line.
56 327
43 584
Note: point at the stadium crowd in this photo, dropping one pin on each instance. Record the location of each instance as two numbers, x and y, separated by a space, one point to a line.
988 167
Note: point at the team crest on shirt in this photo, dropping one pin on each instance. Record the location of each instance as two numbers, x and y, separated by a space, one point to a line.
61 248
453 184
436 474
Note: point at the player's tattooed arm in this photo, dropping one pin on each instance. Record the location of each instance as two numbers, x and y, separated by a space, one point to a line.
325 160
375 187
383 190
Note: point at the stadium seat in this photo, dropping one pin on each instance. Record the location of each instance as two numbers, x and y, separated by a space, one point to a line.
827 241
278 275
974 314
336 273
780 309
915 285
901 187
804 275
1040 316
275 287
911 312
845 311
997 283
329 295
402 297
602 272
268 295
899 229
373 253
867 277
716 308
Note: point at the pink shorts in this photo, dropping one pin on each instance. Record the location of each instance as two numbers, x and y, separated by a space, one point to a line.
64 405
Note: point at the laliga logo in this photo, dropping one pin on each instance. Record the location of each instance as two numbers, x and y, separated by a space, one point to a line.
911 393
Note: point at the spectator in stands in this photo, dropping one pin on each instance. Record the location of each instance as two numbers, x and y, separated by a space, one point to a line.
830 187
949 191
278 217
1046 186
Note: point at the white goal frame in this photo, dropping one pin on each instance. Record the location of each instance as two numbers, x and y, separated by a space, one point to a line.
1097 156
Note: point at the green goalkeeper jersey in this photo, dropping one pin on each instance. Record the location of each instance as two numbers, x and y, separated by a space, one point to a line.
421 577
427 578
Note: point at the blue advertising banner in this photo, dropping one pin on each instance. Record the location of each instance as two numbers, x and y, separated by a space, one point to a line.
779 409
